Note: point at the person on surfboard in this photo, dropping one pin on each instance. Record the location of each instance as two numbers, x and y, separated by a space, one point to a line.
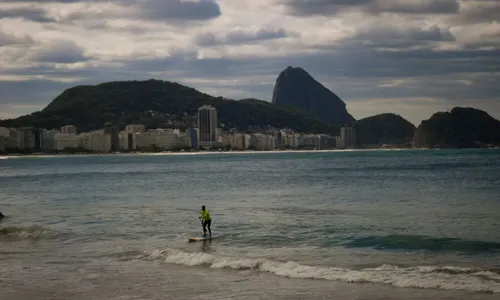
206 221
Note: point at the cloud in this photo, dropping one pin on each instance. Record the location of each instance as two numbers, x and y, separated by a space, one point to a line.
377 55
59 52
32 13
180 10
334 7
8 39
241 36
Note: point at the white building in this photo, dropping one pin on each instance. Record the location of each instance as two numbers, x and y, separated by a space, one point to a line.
128 140
69 129
100 141
339 142
348 134
62 141
135 128
167 139
49 142
207 126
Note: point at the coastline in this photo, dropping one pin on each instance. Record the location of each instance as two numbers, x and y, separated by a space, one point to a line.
185 153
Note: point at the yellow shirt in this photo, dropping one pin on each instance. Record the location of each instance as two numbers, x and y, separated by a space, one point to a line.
205 215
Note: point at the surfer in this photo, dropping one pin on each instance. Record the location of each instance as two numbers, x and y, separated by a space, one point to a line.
1 215
206 220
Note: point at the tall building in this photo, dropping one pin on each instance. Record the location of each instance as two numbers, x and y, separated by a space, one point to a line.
114 133
348 135
207 126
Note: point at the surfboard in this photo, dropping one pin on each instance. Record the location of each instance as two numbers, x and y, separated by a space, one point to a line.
202 238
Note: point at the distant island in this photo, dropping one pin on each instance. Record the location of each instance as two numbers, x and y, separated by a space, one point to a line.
300 104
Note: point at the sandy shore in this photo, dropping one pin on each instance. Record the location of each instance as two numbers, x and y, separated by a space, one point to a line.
202 153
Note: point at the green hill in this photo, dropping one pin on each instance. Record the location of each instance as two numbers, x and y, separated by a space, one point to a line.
459 128
385 128
157 103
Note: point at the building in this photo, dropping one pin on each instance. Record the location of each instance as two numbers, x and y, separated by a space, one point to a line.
348 135
192 134
100 141
63 141
128 140
25 139
69 129
114 133
48 137
207 126
135 128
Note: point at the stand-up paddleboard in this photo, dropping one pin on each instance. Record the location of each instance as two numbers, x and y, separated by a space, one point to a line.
202 238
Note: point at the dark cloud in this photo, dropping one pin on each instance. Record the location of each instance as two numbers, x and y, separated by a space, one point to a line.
333 7
60 52
166 10
478 11
32 13
403 37
179 9
8 39
240 36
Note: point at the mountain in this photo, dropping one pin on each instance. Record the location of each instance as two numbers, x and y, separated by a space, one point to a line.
384 129
295 87
157 103
462 127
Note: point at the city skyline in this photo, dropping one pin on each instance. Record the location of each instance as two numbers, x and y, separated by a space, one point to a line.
440 54
136 137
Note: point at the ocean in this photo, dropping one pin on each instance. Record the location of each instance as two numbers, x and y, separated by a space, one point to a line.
409 224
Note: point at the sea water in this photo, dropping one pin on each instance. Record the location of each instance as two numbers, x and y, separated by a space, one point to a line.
413 224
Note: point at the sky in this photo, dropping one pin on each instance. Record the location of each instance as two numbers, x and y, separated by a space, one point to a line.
409 57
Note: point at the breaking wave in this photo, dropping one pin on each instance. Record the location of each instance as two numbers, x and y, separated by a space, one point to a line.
428 277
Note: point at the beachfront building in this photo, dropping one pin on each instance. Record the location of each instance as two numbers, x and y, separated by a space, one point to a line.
69 129
348 135
25 138
128 140
113 132
207 126
192 135
167 139
100 141
64 140
48 137
135 128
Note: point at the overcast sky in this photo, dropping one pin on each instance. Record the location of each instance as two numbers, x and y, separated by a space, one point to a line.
410 57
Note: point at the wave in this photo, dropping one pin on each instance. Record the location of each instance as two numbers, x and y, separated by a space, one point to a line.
418 242
28 233
427 277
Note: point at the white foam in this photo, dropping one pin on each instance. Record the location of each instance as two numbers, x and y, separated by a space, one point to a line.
449 278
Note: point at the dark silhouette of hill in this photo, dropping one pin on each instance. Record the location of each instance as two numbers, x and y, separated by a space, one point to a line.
462 127
295 87
385 128
157 103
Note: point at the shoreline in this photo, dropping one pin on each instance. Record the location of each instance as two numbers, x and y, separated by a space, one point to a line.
186 153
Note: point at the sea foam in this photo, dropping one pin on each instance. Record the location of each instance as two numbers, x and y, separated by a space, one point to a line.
430 277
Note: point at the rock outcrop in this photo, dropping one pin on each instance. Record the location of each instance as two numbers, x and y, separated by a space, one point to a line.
295 87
